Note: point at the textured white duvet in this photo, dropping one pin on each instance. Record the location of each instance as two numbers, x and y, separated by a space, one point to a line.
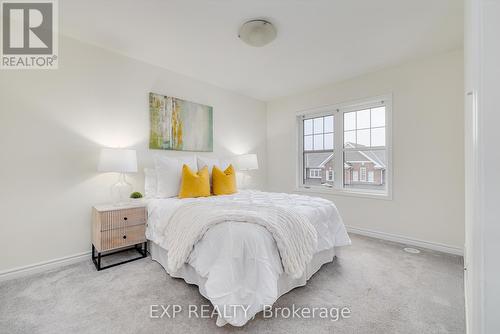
241 261
294 235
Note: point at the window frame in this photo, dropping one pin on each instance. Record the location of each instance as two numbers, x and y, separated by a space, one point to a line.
338 110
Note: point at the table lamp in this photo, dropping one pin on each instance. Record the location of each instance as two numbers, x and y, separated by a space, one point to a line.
245 163
119 160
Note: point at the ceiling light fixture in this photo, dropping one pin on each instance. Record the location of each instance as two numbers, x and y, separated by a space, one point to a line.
257 32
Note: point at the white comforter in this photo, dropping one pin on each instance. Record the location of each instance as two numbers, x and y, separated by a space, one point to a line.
241 261
295 236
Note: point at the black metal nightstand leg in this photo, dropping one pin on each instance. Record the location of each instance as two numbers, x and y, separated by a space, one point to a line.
141 248
98 261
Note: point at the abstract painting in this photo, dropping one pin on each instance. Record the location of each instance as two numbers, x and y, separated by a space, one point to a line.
180 125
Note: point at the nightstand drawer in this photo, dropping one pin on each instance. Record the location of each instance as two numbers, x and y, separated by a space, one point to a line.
122 218
122 237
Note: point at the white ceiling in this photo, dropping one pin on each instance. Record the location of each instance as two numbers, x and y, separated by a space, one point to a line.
319 41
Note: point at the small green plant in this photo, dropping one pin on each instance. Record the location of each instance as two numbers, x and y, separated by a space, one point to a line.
136 194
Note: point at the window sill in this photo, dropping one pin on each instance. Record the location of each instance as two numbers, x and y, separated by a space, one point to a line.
348 193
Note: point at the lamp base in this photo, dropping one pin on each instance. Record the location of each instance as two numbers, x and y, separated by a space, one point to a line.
121 191
243 180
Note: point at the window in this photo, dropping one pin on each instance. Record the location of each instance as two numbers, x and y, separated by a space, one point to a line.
371 176
362 174
318 145
349 140
315 173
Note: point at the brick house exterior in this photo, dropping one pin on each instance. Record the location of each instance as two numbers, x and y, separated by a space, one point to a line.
319 168
362 169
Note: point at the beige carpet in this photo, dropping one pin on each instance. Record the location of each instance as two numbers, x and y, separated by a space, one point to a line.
386 289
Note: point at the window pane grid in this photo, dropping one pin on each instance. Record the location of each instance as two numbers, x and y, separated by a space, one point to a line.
365 128
318 147
364 151
317 134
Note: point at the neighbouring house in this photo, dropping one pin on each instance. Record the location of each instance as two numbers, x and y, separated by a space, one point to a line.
319 168
362 169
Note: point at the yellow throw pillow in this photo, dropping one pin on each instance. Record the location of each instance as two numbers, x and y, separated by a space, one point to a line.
223 182
194 184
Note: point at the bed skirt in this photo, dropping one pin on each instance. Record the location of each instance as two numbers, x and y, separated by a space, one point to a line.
285 281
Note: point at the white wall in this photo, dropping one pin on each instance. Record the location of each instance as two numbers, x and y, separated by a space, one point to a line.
53 123
428 150
482 282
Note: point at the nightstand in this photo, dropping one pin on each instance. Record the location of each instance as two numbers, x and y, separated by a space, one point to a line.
116 229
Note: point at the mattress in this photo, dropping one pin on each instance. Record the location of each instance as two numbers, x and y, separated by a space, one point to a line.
238 263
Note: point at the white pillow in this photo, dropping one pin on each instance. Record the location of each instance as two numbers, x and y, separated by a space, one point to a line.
169 172
150 182
211 162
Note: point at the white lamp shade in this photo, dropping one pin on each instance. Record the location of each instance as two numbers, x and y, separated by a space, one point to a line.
117 160
247 162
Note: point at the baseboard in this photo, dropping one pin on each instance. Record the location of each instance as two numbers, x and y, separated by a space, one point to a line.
407 241
43 266
51 264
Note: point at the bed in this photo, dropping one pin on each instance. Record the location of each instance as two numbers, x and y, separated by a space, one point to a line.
239 263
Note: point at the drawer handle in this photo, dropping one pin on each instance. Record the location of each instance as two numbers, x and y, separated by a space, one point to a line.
125 218
124 237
